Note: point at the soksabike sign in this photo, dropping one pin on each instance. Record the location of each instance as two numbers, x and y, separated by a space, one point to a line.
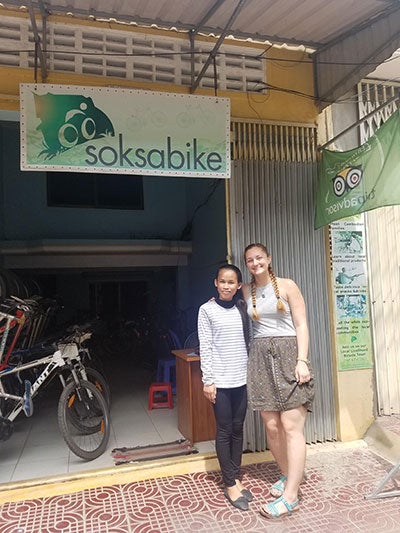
107 130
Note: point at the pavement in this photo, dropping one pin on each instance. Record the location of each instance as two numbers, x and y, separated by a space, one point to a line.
348 489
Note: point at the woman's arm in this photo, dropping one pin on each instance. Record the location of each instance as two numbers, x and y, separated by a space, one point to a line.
246 291
291 292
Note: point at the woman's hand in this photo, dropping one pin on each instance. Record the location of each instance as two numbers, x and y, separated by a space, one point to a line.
302 372
210 392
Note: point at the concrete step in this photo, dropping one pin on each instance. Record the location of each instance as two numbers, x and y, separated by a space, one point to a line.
383 437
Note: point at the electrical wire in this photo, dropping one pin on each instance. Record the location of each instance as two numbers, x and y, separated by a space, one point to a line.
263 85
205 53
347 100
188 228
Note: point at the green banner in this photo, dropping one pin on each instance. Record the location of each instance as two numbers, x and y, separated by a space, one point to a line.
361 179
110 130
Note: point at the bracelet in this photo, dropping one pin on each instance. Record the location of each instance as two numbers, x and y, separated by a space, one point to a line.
306 361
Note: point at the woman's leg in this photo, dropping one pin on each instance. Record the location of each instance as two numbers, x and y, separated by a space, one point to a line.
293 424
276 438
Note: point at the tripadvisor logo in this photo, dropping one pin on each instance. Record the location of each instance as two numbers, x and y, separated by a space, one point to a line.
168 157
347 180
68 120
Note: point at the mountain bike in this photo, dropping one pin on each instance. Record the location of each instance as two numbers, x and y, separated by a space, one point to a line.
13 322
84 364
83 414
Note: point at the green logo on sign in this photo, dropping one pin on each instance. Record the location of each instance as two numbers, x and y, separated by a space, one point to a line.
68 120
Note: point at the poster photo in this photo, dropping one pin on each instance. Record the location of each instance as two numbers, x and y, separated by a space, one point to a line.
351 306
349 275
347 241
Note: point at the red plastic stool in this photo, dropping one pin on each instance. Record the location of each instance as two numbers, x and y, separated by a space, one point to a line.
165 391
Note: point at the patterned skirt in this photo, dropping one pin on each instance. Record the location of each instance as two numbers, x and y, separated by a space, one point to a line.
271 381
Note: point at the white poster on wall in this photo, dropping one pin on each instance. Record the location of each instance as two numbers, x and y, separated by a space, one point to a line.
350 291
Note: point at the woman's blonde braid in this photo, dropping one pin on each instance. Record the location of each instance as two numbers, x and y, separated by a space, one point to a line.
255 315
279 305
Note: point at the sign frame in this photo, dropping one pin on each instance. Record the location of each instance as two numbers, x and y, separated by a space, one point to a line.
116 130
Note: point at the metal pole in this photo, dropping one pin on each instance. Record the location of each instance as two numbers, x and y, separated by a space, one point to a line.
228 222
217 45
38 48
192 57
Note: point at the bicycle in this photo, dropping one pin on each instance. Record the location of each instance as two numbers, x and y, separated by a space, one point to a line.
23 311
79 336
8 322
82 414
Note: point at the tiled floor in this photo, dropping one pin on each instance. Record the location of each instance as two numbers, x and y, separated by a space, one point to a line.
132 424
333 501
391 423
339 478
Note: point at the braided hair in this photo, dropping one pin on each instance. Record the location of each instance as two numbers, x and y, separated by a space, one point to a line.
279 305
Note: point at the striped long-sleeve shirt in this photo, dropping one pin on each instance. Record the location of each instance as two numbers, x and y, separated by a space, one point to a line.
223 353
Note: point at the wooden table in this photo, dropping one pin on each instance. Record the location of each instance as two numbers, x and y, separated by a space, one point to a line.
196 419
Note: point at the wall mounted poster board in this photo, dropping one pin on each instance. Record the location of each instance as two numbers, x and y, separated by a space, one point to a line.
352 315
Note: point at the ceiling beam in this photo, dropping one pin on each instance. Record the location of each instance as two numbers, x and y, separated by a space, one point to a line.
218 44
38 42
214 8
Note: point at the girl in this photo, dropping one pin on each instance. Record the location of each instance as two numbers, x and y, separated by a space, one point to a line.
223 330
279 380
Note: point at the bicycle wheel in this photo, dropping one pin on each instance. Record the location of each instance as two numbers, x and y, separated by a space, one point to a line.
83 419
94 376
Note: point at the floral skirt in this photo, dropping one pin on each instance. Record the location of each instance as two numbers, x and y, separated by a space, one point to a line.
271 381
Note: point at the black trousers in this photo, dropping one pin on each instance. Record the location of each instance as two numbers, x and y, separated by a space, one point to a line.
230 411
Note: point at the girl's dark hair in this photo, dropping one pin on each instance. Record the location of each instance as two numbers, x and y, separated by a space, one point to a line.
279 304
234 268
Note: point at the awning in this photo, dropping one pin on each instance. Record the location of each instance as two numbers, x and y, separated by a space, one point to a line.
346 40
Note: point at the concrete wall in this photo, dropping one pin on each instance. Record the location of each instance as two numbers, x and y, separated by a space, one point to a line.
27 215
206 203
288 70
175 209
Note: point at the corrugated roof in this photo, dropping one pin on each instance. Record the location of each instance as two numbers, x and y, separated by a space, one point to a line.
309 22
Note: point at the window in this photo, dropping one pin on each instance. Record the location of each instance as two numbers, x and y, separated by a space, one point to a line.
72 189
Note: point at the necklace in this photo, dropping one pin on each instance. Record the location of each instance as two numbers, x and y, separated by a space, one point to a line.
263 288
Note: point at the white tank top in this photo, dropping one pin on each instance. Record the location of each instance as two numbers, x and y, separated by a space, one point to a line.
272 323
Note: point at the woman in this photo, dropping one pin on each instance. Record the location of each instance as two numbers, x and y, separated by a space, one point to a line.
223 334
279 379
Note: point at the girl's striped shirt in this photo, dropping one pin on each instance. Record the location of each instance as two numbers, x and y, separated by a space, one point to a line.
223 353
